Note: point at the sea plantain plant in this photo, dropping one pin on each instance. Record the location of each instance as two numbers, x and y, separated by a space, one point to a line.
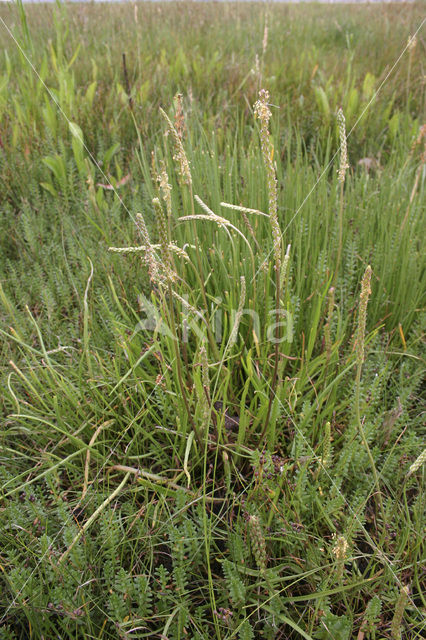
226 462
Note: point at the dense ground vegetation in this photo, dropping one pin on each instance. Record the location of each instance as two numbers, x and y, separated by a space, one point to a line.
169 468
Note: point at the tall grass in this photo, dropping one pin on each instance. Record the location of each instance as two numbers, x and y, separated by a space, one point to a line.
169 470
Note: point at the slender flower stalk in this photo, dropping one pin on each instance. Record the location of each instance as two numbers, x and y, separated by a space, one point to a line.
205 369
327 327
259 66
341 177
265 37
234 332
204 398
411 45
360 348
263 113
326 447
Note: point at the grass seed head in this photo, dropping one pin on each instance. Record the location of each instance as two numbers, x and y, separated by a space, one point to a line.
179 117
163 234
417 463
399 612
165 188
265 37
179 156
340 550
362 317
150 258
343 146
257 541
263 113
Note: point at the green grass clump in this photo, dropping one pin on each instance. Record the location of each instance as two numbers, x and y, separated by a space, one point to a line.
211 323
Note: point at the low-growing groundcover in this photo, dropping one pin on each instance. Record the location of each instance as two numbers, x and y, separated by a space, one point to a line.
212 409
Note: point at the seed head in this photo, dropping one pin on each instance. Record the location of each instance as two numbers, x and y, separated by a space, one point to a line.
399 612
417 463
265 37
180 155
179 117
166 189
257 542
362 317
340 550
162 232
263 113
150 258
343 146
